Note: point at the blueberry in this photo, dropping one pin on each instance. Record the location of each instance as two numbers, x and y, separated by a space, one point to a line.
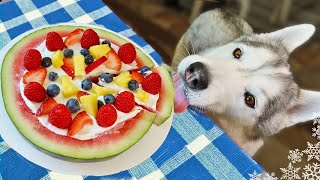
84 52
53 90
100 104
106 42
133 85
46 62
88 59
73 105
108 78
68 53
144 69
109 99
53 76
86 84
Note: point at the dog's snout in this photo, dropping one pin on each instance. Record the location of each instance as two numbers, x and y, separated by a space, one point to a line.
196 76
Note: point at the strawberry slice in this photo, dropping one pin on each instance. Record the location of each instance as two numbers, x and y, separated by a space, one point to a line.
114 61
81 93
95 64
46 107
79 122
68 67
36 75
74 37
137 76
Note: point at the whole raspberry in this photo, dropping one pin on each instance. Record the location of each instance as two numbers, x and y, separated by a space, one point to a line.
89 38
127 53
35 92
32 59
107 116
60 117
54 41
152 83
124 101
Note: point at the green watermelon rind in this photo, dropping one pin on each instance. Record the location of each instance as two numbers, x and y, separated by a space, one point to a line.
28 131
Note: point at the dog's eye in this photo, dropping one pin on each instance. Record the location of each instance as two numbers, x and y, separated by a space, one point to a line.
237 53
249 100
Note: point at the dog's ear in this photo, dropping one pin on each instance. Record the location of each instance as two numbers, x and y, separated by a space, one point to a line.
307 108
294 36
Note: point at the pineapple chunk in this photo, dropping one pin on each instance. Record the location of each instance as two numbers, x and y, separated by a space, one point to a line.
79 65
98 51
123 79
68 88
57 59
142 95
101 91
90 104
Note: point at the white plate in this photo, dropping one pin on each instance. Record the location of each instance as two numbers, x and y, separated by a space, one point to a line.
126 160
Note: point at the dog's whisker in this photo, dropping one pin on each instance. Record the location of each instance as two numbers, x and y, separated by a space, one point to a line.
192 47
185 47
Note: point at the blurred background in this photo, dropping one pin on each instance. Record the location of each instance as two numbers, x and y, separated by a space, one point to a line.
162 22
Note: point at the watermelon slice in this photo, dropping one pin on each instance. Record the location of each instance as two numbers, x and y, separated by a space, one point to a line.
114 141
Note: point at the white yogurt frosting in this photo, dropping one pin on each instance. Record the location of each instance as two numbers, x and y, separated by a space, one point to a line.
89 131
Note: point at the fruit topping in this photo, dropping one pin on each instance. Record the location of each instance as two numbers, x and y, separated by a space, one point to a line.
35 92
54 41
108 99
101 91
89 38
144 70
46 62
88 59
35 75
68 53
152 83
133 85
73 105
57 59
107 78
142 95
127 53
124 102
95 64
53 76
114 61
68 88
81 93
123 79
106 42
32 59
90 104
107 116
74 37
86 84
60 117
46 107
98 51
84 52
78 123
53 90
137 76
68 67
79 65
100 104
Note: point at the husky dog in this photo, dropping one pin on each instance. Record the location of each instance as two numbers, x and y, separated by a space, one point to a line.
242 79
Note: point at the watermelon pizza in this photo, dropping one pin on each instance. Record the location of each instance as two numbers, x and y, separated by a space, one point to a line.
83 92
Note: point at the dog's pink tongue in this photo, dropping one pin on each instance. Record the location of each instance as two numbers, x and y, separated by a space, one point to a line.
180 99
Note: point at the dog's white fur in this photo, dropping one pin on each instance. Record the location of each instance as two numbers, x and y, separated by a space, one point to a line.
256 72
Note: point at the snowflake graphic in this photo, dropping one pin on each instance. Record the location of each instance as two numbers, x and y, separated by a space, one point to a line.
316 132
262 176
295 155
313 151
317 119
290 172
311 171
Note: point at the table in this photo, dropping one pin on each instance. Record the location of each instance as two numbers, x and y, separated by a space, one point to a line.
195 147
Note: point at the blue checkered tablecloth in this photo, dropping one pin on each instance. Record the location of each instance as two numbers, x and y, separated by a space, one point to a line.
198 148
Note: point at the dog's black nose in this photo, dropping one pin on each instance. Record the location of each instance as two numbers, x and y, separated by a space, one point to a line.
196 76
